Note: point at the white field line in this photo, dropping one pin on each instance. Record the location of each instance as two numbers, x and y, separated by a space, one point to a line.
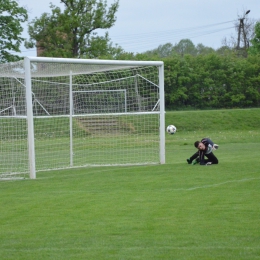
196 248
138 166
178 189
217 184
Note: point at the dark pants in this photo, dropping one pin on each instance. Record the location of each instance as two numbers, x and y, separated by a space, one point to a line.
200 155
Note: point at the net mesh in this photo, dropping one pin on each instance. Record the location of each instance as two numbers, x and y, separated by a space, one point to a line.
113 118
13 129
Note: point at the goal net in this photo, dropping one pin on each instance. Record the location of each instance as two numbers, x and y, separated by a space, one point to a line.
64 113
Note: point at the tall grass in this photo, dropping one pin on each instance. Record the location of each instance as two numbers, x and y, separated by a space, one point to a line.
170 211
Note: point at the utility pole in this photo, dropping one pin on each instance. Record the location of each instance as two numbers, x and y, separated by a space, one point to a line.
241 29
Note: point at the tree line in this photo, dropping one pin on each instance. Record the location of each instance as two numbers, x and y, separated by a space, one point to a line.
212 81
195 76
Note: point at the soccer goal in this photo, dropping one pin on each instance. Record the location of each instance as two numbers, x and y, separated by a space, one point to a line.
62 113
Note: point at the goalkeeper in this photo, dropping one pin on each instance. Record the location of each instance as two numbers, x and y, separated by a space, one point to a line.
205 149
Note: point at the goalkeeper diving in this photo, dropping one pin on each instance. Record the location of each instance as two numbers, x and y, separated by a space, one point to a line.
205 149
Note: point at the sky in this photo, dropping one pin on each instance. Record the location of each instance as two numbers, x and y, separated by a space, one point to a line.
143 25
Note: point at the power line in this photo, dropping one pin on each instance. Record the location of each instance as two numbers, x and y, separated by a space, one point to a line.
183 30
148 39
172 36
154 40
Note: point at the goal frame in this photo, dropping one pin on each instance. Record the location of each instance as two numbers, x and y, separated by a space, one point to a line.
29 101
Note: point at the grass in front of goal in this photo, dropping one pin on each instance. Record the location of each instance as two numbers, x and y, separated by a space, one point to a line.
171 211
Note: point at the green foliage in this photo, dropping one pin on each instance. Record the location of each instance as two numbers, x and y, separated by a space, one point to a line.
185 46
225 50
203 50
11 18
255 48
212 81
207 79
72 33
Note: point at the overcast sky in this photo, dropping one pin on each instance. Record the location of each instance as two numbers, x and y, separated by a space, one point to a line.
143 25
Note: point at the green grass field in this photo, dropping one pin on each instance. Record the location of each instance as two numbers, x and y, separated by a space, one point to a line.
170 211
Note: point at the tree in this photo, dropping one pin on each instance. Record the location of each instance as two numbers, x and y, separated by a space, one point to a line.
256 40
211 81
203 50
185 46
224 50
72 33
164 50
11 17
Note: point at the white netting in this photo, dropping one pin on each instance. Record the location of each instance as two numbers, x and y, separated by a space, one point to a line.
13 128
83 115
52 69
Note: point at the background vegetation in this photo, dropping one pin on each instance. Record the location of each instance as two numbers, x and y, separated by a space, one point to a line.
212 81
196 77
12 16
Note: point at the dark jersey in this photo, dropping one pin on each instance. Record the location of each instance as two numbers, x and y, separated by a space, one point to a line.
208 144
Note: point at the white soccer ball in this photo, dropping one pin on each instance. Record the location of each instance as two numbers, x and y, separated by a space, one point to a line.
171 129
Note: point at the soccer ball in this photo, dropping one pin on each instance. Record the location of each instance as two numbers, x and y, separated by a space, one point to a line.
171 129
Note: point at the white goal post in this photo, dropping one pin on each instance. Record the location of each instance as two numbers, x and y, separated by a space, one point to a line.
58 113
